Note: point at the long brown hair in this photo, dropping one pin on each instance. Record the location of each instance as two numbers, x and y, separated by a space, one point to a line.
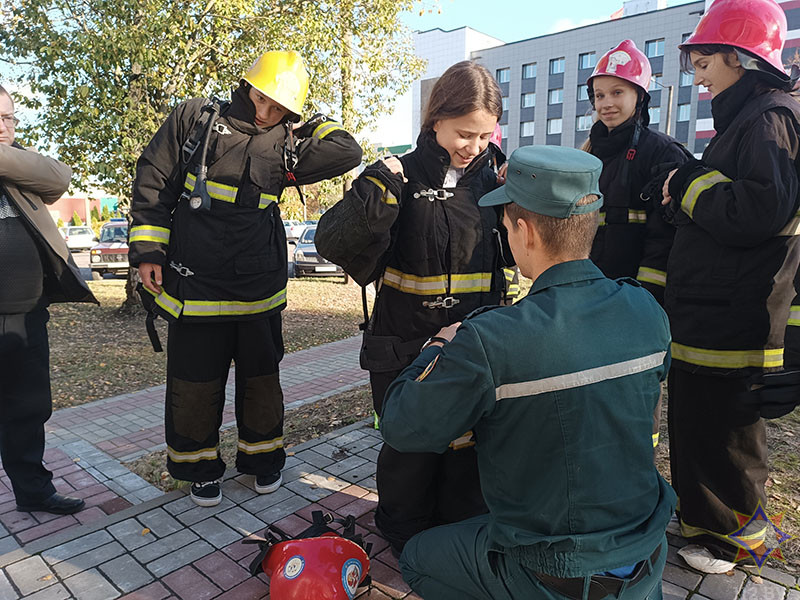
463 88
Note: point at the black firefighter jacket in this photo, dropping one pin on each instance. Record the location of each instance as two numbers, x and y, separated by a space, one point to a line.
436 254
633 239
33 181
228 263
729 277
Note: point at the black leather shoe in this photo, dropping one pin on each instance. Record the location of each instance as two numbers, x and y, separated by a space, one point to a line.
56 504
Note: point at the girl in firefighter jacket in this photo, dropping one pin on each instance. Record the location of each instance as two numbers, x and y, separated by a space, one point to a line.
217 268
633 239
413 225
729 276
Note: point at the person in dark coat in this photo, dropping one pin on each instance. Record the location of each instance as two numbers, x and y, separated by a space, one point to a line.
36 269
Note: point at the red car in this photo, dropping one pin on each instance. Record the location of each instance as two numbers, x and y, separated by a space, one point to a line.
110 255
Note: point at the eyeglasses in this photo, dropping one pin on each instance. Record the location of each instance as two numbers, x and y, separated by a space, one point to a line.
10 120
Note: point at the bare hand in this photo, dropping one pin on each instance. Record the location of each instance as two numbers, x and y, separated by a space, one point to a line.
395 166
501 173
449 332
665 189
150 275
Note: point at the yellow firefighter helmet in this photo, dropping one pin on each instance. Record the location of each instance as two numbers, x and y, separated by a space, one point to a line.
283 77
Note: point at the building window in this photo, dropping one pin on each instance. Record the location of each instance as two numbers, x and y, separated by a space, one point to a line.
685 37
505 103
553 126
504 131
653 48
556 65
526 129
684 112
584 123
529 71
583 92
529 100
555 96
655 115
655 82
587 61
686 79
503 75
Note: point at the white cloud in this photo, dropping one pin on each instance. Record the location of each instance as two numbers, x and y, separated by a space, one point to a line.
567 23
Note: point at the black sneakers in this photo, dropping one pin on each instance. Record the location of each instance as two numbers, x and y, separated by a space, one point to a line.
207 493
266 484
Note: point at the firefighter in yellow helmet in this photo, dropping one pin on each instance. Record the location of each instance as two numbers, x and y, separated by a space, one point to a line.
210 247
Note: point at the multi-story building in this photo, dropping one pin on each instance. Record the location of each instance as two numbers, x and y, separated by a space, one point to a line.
543 79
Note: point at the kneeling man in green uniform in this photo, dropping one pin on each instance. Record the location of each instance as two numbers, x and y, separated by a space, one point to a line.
560 391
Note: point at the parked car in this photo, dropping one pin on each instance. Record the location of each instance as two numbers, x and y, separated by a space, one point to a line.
78 237
110 255
293 229
307 263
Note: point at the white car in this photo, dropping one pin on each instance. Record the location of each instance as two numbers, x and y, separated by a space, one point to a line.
293 229
78 237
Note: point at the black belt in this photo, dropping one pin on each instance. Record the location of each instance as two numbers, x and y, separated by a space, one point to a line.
600 586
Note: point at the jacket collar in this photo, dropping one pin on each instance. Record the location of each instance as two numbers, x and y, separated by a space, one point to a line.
565 273
435 160
726 105
241 114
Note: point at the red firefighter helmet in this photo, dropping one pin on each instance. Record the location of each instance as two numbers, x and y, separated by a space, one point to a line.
627 62
755 26
497 136
328 567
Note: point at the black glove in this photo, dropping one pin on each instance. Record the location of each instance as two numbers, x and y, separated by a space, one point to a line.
775 394
307 129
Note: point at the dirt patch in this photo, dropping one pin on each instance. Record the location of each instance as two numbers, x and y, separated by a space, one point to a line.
302 424
97 351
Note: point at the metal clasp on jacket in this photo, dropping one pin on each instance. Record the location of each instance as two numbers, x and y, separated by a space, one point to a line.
432 194
440 302
182 271
221 129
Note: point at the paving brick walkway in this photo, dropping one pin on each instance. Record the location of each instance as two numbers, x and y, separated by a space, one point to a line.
136 543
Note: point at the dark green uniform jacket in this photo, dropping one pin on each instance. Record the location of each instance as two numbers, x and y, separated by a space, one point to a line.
560 390
729 283
228 263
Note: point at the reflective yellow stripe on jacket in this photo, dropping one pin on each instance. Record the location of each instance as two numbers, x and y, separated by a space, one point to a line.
654 276
325 128
794 315
224 308
512 288
226 193
172 305
437 284
634 216
697 187
388 197
728 359
149 233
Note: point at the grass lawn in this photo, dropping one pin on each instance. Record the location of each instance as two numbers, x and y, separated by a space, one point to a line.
97 352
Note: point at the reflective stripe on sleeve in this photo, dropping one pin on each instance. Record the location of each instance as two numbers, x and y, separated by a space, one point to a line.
260 447
697 187
172 305
579 378
325 128
224 308
654 276
462 283
192 457
149 233
794 316
655 439
388 197
728 359
602 220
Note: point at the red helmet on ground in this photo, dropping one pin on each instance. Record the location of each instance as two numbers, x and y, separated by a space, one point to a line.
328 567
755 26
625 61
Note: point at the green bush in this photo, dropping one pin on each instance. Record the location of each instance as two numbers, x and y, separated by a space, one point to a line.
60 222
76 220
95 214
106 213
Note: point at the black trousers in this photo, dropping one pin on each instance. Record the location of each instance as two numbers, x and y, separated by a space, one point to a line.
199 356
718 451
420 490
25 403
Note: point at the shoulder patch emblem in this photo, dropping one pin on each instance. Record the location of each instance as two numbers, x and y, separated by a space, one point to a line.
428 369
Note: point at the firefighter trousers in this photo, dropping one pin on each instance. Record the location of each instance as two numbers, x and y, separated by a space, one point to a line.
718 453
199 357
419 490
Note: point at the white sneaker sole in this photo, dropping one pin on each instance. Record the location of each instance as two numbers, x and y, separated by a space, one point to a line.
268 489
206 502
